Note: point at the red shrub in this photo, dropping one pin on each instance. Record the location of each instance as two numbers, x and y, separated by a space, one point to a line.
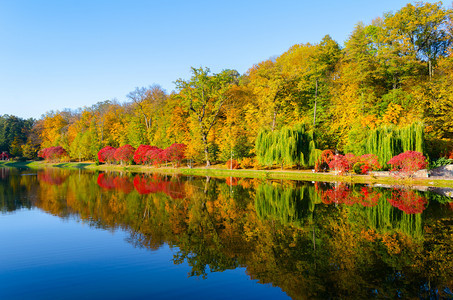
153 156
232 164
106 155
124 154
52 153
351 159
176 153
139 156
370 162
339 163
322 164
408 162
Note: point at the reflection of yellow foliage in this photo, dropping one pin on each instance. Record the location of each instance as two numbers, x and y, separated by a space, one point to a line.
392 243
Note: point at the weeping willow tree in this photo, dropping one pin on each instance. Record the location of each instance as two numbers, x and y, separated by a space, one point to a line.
388 141
385 218
290 205
291 145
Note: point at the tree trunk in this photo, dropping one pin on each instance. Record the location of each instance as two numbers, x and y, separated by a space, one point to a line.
316 100
206 150
274 119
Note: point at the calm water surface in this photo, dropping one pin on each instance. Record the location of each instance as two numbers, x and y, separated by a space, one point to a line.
74 234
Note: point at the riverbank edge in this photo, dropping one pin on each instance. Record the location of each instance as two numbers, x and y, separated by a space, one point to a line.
305 175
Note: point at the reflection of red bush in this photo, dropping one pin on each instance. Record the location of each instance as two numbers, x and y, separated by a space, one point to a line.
158 184
450 205
370 198
106 182
51 177
123 184
408 201
232 180
343 194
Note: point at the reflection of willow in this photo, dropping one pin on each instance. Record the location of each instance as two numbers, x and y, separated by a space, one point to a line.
386 218
289 204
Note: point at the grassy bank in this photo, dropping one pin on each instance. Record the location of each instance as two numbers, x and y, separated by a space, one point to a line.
222 172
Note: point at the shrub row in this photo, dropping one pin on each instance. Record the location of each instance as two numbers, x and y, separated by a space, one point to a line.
406 163
143 155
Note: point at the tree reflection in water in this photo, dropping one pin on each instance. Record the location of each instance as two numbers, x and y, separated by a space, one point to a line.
311 240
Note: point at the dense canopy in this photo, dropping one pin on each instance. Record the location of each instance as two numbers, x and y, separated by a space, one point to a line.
390 75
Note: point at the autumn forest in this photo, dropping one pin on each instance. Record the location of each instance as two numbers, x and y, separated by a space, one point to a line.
390 75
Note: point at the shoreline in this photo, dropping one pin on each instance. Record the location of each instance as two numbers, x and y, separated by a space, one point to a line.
305 175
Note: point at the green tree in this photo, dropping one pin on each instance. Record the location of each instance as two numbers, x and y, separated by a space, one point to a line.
205 95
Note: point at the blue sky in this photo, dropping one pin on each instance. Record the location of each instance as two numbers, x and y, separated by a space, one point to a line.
74 53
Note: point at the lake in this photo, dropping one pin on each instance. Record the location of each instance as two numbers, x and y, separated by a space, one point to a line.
77 234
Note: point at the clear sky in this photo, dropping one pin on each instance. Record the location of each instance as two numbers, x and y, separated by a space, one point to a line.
72 53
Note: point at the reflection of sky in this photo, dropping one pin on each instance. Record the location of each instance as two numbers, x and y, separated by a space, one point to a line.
46 257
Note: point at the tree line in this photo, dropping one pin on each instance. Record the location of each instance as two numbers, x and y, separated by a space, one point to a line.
389 75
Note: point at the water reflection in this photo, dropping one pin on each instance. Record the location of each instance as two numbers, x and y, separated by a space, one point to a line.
311 240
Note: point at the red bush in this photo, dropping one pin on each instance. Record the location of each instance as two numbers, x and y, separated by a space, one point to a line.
106 155
232 164
408 162
139 156
124 154
176 153
351 159
339 163
370 162
52 153
322 164
153 156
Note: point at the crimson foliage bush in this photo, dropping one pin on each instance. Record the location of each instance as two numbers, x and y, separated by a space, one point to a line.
339 163
107 155
408 163
322 164
140 153
232 164
124 154
153 156
52 153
